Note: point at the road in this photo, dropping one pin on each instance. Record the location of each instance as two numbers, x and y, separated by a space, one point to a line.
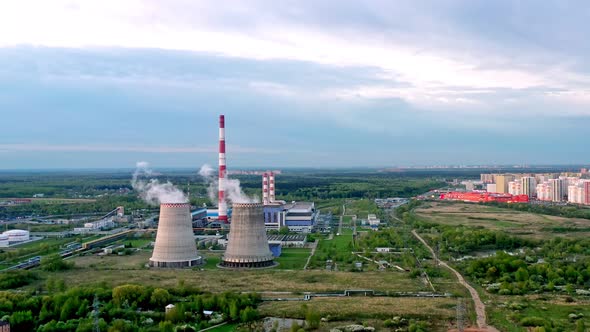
480 308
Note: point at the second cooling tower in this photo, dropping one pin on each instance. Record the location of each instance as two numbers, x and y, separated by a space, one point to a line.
247 245
175 243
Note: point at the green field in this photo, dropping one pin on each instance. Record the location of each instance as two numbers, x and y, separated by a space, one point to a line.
293 258
224 328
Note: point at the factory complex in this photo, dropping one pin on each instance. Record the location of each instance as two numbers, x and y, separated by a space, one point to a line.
247 244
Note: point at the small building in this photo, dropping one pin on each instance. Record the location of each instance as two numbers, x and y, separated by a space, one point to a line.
169 307
4 326
373 221
382 249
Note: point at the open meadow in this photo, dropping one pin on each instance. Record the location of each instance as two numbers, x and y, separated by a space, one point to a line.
524 224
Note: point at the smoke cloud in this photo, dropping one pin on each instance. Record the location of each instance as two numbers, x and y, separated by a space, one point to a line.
152 191
233 190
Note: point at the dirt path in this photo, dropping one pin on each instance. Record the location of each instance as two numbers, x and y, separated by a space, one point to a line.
315 245
480 308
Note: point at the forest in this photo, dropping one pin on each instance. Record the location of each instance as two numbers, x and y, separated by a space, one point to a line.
123 308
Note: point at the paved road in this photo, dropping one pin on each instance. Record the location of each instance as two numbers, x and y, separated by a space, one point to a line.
480 308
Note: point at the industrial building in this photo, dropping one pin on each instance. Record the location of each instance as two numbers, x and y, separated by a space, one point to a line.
373 221
4 241
17 235
175 245
481 197
247 245
299 217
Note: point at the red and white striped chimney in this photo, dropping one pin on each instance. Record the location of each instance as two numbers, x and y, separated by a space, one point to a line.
271 180
222 172
265 200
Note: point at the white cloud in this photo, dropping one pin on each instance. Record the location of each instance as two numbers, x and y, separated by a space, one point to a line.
435 76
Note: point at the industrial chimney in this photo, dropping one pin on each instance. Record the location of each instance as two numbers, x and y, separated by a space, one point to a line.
175 244
222 172
247 245
271 180
265 200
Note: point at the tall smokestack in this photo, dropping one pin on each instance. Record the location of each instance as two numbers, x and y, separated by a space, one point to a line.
222 171
271 180
265 200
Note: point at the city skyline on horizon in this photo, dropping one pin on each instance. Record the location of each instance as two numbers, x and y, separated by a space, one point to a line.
306 84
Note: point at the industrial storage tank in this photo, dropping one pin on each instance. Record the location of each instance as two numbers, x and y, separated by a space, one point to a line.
247 245
3 241
17 235
175 243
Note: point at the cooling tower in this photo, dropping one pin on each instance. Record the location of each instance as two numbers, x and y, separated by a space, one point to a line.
175 244
247 245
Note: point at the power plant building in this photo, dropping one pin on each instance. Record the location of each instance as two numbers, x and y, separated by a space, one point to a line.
175 245
247 245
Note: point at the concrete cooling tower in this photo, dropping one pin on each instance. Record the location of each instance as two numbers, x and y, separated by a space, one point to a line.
247 245
175 244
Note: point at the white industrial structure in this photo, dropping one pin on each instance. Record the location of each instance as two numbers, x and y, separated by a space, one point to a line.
4 241
17 235
247 245
175 243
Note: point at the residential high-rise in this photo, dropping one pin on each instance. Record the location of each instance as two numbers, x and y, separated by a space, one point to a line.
514 188
558 193
528 186
502 183
587 193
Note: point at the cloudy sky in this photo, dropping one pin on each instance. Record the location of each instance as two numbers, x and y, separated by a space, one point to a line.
302 83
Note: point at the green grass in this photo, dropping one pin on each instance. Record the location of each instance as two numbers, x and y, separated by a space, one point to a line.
225 328
555 312
293 258
211 262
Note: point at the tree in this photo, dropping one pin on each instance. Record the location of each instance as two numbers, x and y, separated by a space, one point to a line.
166 326
312 318
248 315
521 274
22 321
160 297
234 311
54 263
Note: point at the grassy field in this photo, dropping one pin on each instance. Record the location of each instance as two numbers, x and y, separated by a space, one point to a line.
342 308
117 270
293 258
524 224
506 312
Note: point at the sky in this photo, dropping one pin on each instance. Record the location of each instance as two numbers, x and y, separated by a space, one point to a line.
104 84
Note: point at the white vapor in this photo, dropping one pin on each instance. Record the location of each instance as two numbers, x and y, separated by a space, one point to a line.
232 188
153 192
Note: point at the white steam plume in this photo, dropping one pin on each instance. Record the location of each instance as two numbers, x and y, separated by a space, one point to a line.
232 189
153 192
